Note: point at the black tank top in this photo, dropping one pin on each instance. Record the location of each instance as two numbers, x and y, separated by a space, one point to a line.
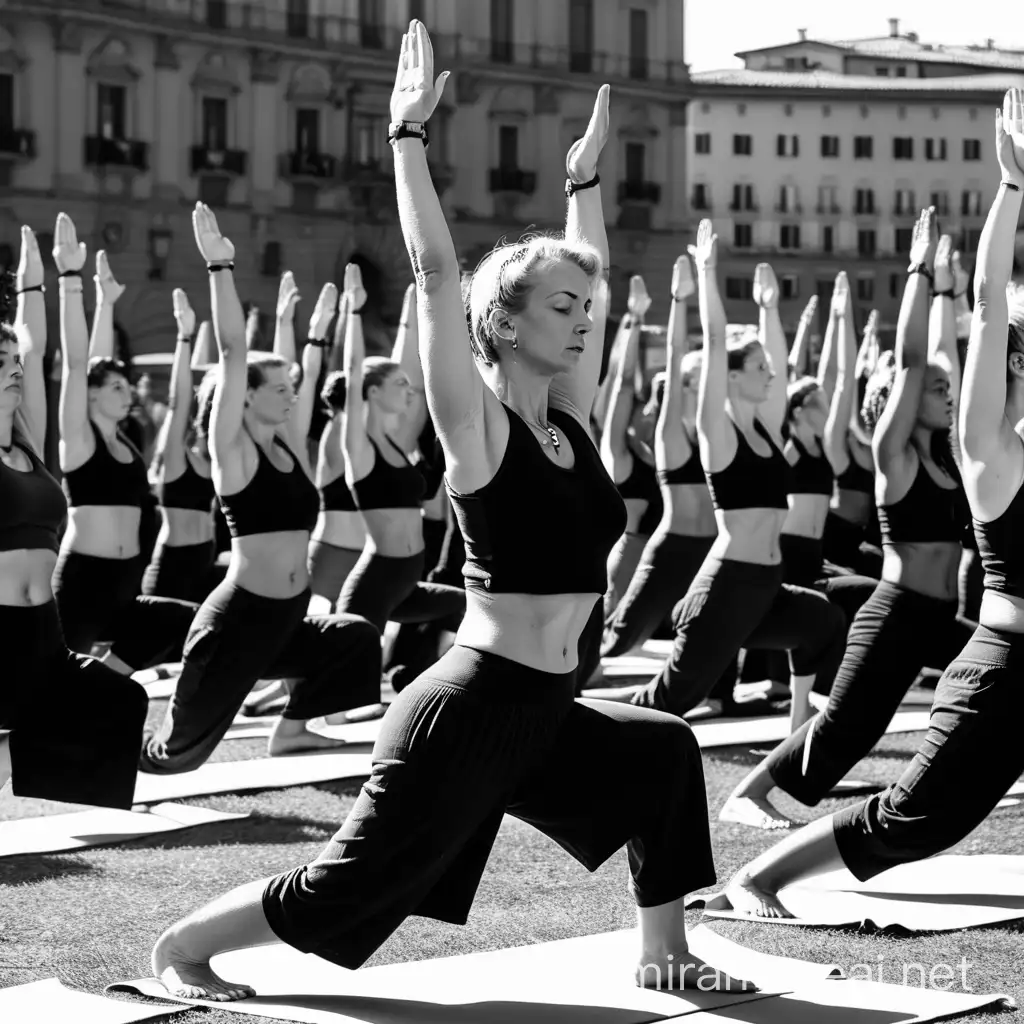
751 480
103 480
642 483
1001 547
32 507
536 528
927 513
810 474
191 490
272 501
387 486
431 464
856 478
690 472
337 496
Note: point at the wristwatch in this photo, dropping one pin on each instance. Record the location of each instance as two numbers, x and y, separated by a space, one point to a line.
408 130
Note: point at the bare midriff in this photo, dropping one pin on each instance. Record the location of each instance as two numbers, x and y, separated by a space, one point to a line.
749 535
926 568
270 564
103 531
1002 611
689 511
342 529
394 532
807 515
183 527
25 575
853 506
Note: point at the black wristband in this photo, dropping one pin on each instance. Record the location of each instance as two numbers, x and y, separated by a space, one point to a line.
404 130
31 288
571 187
921 268
318 342
214 267
70 273
187 338
1010 184
947 294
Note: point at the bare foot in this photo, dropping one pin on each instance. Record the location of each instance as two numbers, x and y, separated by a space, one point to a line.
188 980
364 714
748 897
291 737
256 703
674 971
710 708
757 812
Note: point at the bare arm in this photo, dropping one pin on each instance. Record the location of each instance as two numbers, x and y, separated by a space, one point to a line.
828 364
766 294
407 354
252 328
358 454
30 327
205 348
336 359
671 445
312 360
615 453
284 324
108 291
800 353
942 332
170 446
834 441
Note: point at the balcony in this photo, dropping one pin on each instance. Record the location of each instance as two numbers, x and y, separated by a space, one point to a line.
218 161
512 179
317 167
905 211
17 144
740 208
789 209
700 205
636 191
828 210
128 154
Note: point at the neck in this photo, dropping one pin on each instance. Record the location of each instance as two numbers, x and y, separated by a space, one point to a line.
742 412
380 424
107 427
921 438
6 430
521 391
261 433
806 437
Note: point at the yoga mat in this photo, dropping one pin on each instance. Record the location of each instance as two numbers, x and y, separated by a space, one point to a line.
351 732
100 826
242 776
942 894
586 980
49 1002
854 787
160 681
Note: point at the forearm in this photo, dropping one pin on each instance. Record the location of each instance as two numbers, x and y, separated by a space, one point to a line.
426 234
74 332
284 337
30 325
912 326
228 320
584 219
995 249
101 341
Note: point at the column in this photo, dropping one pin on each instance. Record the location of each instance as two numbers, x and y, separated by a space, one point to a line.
168 145
676 183
75 103
550 164
258 112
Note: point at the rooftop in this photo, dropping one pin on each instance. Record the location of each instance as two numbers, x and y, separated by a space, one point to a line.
828 81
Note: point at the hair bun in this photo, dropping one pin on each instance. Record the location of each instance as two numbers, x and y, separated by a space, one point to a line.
8 300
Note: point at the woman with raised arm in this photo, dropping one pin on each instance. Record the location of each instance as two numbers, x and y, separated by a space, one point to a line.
98 575
738 598
800 353
71 727
626 452
386 582
910 620
254 625
971 753
185 548
495 717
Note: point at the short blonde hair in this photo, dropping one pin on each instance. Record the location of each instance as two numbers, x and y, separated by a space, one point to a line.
505 276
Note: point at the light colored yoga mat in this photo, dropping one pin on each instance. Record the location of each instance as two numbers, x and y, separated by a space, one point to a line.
351 732
242 776
942 894
587 980
100 826
49 1002
159 682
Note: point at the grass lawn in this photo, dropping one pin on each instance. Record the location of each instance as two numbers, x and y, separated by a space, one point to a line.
90 918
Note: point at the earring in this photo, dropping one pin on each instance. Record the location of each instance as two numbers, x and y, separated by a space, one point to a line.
514 343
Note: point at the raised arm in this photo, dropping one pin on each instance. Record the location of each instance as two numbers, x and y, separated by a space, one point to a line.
835 442
169 458
336 358
76 440
30 327
205 349
406 353
671 445
986 435
766 294
896 424
828 362
615 453
108 291
800 353
312 361
252 328
942 332
717 447
358 454
584 221
284 323
604 390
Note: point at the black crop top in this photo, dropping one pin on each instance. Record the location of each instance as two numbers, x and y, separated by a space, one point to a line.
810 474
856 478
272 501
32 507
690 472
642 484
103 480
431 464
337 496
927 513
387 486
191 490
751 480
1001 546
536 528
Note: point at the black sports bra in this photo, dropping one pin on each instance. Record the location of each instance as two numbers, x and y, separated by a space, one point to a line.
387 486
337 496
1001 546
927 513
431 464
103 480
690 472
810 474
751 480
191 490
272 501
32 507
856 478
514 545
642 484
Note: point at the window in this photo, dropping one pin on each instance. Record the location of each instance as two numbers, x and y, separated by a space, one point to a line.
110 111
6 103
581 36
972 239
788 200
739 288
742 145
702 143
940 200
828 199
701 197
742 236
789 286
866 243
297 19
742 197
215 123
370 34
972 149
970 203
904 202
904 236
501 31
903 148
866 289
830 146
864 201
894 285
637 42
901 72
827 238
787 145
508 147
216 14
935 149
789 236
863 147
791 64
882 72
366 130
307 130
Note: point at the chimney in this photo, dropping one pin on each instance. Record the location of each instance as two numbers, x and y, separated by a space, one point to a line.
803 35
990 44
894 28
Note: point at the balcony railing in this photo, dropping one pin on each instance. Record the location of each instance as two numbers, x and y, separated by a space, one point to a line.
700 204
639 192
223 161
512 179
102 152
303 164
792 209
744 208
17 143
829 209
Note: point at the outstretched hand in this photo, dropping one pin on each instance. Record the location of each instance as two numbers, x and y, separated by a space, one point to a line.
840 294
961 279
581 160
184 315
355 293
683 285
1010 137
212 245
30 262
416 92
925 239
944 279
287 296
324 311
68 251
107 288
705 252
766 287
639 301
807 316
